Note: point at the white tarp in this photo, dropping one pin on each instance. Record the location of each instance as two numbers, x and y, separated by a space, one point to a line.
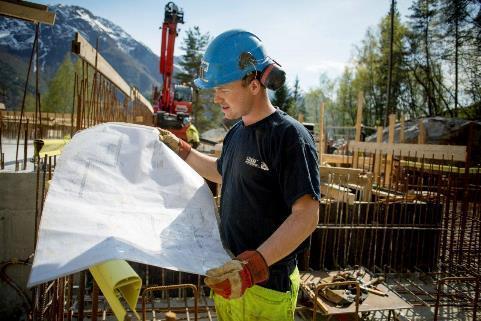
119 193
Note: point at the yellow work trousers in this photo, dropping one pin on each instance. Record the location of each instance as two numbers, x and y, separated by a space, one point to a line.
260 303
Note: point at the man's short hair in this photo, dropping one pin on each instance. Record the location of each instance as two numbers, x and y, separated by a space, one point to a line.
250 77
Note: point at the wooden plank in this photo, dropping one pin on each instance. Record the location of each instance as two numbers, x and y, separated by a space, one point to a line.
83 49
377 156
388 173
428 151
402 129
366 193
439 168
341 175
357 136
336 159
48 119
338 193
326 170
384 194
422 132
351 177
27 11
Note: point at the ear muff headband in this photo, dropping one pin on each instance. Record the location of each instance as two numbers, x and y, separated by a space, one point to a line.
273 77
265 74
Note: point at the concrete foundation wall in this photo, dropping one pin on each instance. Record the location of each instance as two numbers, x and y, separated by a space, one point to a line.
17 220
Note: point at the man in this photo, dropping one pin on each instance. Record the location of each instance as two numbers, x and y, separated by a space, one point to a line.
270 182
192 133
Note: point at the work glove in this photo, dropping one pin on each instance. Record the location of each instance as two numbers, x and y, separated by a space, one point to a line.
233 278
179 146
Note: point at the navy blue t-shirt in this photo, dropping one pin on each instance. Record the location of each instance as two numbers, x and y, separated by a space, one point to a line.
265 168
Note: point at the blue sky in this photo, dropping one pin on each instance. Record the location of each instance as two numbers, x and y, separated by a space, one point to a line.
306 37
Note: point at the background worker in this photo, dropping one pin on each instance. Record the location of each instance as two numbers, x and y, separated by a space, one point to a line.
192 133
270 182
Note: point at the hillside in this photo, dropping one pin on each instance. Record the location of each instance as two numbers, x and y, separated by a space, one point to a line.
136 63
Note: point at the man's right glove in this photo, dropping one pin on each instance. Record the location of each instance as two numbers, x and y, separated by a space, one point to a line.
179 146
233 278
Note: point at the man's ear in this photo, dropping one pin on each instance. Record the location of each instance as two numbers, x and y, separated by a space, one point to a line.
255 86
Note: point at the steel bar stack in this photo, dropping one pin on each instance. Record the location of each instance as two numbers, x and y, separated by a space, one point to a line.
419 226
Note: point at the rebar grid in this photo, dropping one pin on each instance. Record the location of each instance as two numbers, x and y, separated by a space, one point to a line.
441 292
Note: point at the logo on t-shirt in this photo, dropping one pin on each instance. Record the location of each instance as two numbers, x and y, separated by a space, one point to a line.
255 163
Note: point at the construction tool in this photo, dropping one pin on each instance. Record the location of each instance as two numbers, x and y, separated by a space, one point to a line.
374 282
374 291
371 285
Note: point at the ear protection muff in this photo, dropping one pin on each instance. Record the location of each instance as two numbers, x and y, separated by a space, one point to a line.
273 77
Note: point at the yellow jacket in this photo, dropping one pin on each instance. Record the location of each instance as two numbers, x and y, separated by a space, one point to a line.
192 134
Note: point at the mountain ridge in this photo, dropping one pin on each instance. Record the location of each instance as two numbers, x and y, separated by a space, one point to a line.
134 61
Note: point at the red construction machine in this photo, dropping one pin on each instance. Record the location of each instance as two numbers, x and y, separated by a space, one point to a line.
174 102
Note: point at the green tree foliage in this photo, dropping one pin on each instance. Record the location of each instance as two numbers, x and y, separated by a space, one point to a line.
297 98
284 100
206 114
59 95
453 16
436 68
372 69
194 45
346 99
426 79
30 102
313 98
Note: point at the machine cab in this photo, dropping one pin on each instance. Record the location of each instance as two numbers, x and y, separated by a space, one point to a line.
183 99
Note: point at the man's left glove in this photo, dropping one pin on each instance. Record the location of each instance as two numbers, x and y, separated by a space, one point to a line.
179 146
233 278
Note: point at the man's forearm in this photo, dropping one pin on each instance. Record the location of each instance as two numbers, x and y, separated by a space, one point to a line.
295 229
204 165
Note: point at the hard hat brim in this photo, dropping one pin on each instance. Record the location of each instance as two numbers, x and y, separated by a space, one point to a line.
202 84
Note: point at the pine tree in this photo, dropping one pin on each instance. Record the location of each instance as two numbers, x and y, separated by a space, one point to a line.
284 100
193 45
346 99
58 98
312 99
399 72
372 69
454 14
206 115
422 57
30 102
297 98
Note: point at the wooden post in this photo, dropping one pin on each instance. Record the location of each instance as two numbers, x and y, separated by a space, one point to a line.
357 138
389 156
377 157
422 132
321 132
401 130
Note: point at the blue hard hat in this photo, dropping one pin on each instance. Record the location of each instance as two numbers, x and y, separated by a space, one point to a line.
229 57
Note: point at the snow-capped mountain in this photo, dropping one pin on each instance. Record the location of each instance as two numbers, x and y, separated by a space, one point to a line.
136 63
